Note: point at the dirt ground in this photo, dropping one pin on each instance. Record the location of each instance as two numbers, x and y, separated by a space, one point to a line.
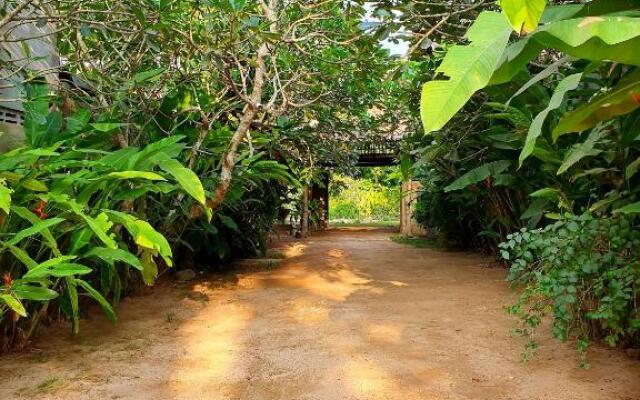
349 315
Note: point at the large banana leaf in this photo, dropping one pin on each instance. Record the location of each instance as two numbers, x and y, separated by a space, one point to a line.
594 38
469 69
514 59
591 38
622 99
523 15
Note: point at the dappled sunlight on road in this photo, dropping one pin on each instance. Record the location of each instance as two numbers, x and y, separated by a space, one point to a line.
347 316
336 285
308 311
212 350
397 283
386 332
294 250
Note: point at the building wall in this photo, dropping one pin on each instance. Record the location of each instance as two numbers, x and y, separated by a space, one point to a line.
31 48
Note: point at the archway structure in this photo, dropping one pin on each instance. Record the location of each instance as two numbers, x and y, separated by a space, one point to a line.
378 154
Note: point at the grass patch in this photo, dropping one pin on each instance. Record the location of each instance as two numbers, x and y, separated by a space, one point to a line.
419 242
365 224
48 385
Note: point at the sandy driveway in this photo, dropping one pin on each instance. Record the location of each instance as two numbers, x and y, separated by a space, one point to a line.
350 315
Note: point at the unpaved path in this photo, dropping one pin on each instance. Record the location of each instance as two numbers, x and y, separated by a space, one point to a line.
351 315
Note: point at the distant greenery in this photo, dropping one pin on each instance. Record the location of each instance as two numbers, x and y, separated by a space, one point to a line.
372 194
372 224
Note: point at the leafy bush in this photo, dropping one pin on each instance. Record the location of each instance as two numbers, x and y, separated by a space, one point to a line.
532 129
374 196
582 270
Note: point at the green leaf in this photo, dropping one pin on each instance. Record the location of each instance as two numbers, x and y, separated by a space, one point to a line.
106 307
111 256
237 5
523 15
547 193
581 150
602 7
36 111
34 229
5 197
78 121
622 99
632 168
228 222
22 255
72 292
186 178
107 126
164 148
149 268
151 176
143 234
633 208
542 75
149 75
14 304
469 69
594 38
535 130
62 269
99 225
80 239
26 214
514 59
536 208
478 174
36 293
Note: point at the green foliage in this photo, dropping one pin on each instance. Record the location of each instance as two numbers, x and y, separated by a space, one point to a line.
492 169
373 197
522 14
535 130
575 71
176 135
584 271
621 99
468 68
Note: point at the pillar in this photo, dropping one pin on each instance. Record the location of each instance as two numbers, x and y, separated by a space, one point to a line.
410 191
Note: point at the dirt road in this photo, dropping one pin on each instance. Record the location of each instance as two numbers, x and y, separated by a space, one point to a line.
350 315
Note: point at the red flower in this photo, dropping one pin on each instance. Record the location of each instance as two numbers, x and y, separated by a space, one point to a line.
6 279
636 97
39 211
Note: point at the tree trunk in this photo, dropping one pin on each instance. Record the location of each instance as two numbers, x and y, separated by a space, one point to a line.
304 221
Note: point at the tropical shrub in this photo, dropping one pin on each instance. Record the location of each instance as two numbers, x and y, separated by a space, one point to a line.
172 134
537 134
